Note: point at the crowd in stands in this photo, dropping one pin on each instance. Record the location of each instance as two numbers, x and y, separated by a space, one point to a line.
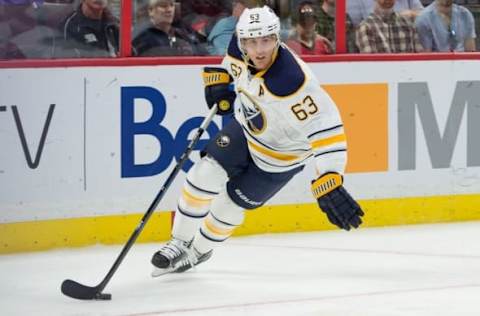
88 28
91 30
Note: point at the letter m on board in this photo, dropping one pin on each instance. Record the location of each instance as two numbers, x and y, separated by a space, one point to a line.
415 98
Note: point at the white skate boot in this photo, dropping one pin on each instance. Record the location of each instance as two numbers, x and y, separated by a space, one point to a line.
177 256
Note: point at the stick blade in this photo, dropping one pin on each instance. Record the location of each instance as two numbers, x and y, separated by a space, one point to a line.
79 291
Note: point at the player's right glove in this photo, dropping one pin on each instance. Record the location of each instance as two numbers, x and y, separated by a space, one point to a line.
219 89
341 209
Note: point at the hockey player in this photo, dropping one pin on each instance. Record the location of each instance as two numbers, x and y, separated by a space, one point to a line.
282 119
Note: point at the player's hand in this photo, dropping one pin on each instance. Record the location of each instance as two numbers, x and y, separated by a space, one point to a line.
341 209
219 89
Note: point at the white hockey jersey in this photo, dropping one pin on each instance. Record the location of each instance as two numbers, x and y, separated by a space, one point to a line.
286 116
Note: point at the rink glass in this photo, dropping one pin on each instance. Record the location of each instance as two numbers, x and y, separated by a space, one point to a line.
31 29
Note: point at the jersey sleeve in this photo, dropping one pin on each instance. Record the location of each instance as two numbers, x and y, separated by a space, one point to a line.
325 133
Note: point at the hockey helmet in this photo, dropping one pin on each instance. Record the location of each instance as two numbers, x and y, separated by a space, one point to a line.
258 22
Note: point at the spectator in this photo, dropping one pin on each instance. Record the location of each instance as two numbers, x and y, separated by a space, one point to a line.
24 32
326 25
304 40
92 30
201 15
14 21
360 9
159 37
282 9
221 33
385 31
444 26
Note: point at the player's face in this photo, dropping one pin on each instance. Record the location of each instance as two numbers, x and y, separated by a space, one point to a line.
260 50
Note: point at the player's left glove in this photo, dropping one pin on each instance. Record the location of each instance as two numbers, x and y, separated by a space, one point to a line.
218 89
341 209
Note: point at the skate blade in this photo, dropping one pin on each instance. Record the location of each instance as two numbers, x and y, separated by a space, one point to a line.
156 272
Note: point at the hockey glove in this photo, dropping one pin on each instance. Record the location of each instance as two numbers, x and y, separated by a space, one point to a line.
341 209
218 89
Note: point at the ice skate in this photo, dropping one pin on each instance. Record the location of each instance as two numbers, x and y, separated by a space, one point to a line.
201 257
176 256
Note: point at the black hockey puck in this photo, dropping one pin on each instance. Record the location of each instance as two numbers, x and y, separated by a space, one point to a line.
103 296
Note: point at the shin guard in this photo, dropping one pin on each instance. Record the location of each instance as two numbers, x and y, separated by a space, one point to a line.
203 183
219 224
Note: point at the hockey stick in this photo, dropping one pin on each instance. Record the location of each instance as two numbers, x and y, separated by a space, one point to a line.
83 292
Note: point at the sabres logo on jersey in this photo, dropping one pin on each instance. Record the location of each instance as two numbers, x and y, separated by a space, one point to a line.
223 141
252 112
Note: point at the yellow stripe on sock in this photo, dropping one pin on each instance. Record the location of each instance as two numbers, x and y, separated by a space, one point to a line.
194 200
224 232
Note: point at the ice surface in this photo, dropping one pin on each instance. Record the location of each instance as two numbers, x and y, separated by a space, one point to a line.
417 270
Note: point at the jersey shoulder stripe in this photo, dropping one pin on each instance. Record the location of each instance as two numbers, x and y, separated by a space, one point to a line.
285 76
